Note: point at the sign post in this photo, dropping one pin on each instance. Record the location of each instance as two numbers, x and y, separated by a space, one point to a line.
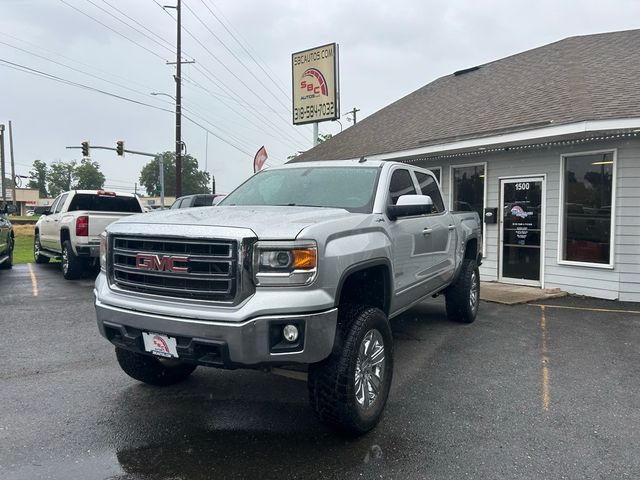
315 86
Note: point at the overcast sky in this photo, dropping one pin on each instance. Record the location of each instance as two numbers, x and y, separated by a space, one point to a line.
387 50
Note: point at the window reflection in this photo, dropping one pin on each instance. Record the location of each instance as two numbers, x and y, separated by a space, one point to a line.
588 193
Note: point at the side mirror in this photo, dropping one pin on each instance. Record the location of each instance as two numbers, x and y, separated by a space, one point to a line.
409 206
46 212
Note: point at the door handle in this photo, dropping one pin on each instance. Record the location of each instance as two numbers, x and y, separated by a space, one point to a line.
452 227
427 231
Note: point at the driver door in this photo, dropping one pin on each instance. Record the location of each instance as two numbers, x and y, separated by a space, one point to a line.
48 226
411 244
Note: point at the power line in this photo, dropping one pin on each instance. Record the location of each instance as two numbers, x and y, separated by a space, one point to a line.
141 25
77 70
287 96
113 30
223 64
49 76
213 34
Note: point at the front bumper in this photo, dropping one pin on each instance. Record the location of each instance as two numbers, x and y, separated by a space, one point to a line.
224 344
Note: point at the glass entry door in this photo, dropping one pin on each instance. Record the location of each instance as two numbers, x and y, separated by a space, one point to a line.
521 221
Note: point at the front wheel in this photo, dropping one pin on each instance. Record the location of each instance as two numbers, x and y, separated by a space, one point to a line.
463 297
152 370
349 390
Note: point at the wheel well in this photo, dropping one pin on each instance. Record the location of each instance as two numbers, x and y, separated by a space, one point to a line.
64 235
367 286
471 249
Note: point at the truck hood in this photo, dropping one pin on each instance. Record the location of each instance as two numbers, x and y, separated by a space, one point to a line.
268 223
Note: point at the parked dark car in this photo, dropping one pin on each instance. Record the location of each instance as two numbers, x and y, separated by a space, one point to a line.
198 200
6 237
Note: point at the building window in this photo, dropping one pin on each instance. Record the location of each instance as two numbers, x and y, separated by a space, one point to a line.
467 188
587 208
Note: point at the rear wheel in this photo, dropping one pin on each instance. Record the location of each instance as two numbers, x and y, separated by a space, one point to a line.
72 265
153 370
37 250
463 297
349 390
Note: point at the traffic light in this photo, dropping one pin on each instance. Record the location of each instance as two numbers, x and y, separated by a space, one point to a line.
120 148
85 148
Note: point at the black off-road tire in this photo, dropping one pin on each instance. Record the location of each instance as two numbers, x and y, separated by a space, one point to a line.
8 263
37 248
72 265
152 370
332 385
463 297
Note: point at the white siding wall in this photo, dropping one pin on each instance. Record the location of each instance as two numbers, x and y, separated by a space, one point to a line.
623 281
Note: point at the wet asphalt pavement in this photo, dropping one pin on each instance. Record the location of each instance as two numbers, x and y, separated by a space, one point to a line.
524 392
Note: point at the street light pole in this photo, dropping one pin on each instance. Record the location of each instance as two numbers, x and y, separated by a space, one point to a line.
4 190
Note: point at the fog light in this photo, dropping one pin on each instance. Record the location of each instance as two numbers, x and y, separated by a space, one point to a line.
290 333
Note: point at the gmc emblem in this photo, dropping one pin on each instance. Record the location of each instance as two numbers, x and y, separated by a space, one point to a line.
165 263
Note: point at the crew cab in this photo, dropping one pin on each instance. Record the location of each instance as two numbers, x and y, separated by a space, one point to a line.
70 229
304 265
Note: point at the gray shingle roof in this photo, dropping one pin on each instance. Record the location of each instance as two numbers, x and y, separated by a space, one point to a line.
592 77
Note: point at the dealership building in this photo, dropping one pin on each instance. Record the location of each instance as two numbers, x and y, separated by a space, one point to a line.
545 146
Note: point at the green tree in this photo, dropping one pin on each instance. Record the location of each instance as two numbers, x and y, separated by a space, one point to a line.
38 174
87 175
193 180
60 177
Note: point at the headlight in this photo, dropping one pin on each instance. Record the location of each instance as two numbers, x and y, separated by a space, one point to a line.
103 251
285 263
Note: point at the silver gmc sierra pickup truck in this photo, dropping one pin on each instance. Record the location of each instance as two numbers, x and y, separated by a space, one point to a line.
303 264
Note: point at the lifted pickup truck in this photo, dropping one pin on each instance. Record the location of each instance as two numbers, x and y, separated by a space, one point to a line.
302 264
70 230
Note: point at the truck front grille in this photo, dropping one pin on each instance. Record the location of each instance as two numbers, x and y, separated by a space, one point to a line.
175 267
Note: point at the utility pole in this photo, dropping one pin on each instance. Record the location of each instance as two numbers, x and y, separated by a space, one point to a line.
178 78
13 167
4 192
353 112
315 134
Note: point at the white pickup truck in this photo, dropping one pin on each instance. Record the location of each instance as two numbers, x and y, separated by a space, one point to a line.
70 229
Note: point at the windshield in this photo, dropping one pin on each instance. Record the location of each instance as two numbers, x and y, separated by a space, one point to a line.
351 188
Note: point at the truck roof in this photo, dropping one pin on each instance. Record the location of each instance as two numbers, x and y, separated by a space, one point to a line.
107 192
337 163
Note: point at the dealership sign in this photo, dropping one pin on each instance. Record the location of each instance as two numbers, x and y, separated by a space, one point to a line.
315 85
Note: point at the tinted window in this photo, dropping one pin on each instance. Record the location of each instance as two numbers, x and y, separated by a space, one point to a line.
176 204
401 184
468 190
588 193
63 199
53 206
428 186
103 203
203 201
351 188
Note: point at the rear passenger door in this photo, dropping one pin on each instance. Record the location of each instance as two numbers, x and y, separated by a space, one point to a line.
440 231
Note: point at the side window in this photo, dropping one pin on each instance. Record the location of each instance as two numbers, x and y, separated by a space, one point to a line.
401 184
54 205
429 187
63 199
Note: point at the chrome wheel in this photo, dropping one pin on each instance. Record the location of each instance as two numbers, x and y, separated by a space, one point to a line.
36 247
369 369
65 260
473 292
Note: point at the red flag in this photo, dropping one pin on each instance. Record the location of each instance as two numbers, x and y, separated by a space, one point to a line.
260 159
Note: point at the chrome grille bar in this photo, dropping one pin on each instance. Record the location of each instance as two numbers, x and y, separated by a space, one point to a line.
211 267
